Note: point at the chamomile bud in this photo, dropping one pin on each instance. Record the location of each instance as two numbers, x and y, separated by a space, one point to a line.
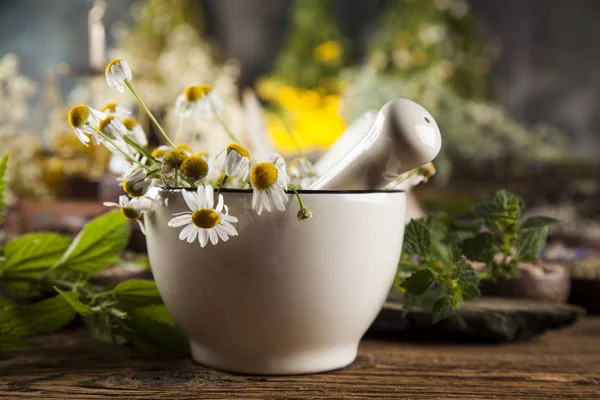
174 158
135 131
194 168
117 72
304 214
82 119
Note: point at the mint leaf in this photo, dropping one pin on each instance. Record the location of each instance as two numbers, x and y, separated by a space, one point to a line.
480 247
153 326
3 170
73 299
416 238
538 222
138 292
470 291
29 256
418 282
442 308
409 301
21 289
531 242
103 328
44 316
98 245
465 274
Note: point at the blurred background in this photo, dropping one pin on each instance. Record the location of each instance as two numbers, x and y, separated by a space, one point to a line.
513 85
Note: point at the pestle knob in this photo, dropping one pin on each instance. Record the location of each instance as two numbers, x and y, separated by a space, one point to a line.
404 136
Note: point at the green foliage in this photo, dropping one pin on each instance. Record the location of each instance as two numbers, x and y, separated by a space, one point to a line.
131 312
98 245
3 170
435 266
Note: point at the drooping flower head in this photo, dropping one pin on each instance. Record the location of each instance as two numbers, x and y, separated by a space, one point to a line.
117 72
198 101
203 221
133 209
237 161
136 182
82 119
269 185
135 131
112 108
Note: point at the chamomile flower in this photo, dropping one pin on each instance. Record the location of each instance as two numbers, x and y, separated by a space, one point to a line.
203 221
112 108
160 151
237 161
300 171
136 182
135 131
82 119
194 169
133 209
198 101
112 128
117 72
269 183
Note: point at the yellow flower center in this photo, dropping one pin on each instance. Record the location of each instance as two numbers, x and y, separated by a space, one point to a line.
184 147
113 62
130 213
78 115
111 106
202 154
205 218
194 168
129 123
263 175
195 93
130 190
241 150
329 51
159 151
174 158
103 124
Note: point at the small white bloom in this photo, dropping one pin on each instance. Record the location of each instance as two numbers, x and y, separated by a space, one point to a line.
135 131
301 172
117 72
112 128
136 182
83 119
237 161
204 222
133 209
116 110
269 184
199 101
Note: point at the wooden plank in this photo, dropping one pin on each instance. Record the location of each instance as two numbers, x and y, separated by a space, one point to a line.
558 365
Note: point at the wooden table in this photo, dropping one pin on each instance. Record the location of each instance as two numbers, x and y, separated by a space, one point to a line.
558 365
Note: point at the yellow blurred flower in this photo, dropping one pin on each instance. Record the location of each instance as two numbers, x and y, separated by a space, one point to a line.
418 58
403 39
328 52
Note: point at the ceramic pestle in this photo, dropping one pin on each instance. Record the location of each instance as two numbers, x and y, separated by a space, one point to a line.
403 136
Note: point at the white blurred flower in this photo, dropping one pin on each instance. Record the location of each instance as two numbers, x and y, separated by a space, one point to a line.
112 108
199 101
133 209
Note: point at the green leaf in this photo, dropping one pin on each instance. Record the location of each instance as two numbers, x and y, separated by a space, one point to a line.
409 302
138 292
538 222
103 328
44 316
8 342
153 326
22 289
73 299
3 170
530 243
470 291
480 247
442 308
29 256
418 282
416 238
98 245
465 274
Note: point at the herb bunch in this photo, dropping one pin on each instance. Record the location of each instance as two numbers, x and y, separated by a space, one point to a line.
436 266
38 264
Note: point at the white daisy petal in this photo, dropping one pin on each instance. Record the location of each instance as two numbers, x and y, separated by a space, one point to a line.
214 239
220 204
186 231
191 238
203 237
180 221
191 200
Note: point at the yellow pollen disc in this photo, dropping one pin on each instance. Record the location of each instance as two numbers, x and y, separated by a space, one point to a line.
174 158
129 123
111 106
184 147
129 189
104 123
78 115
205 218
263 175
130 213
241 150
113 62
194 167
159 151
195 93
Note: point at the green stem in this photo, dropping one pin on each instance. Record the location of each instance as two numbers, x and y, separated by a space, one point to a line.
223 182
223 124
128 84
109 140
139 148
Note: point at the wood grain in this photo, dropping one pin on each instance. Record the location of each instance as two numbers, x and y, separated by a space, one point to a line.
558 365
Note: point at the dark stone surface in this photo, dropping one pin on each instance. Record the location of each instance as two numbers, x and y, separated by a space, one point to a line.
482 320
